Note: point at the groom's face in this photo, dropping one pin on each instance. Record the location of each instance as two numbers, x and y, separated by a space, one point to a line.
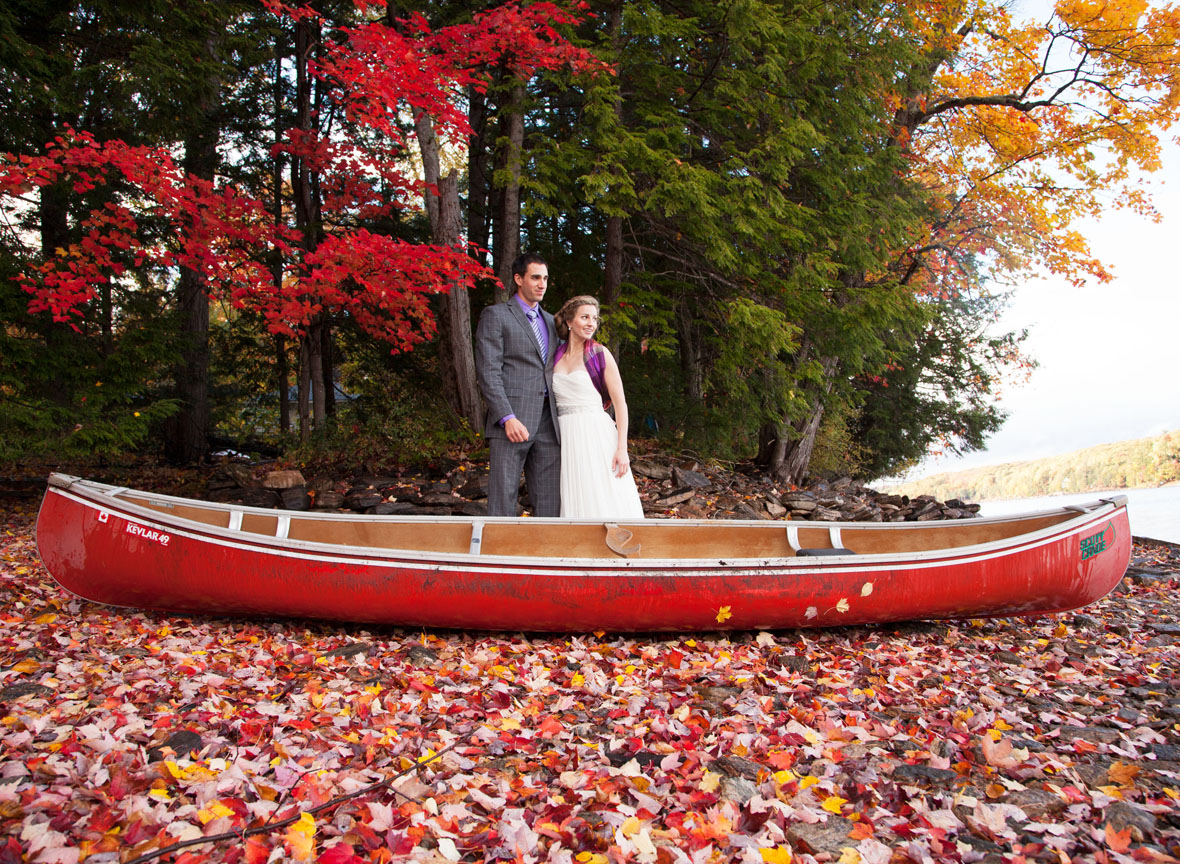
531 286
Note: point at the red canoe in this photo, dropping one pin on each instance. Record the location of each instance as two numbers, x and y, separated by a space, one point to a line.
127 548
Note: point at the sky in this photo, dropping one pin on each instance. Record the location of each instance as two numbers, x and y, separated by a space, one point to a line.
1109 354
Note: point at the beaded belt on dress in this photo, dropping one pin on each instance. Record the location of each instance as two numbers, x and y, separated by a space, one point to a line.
562 410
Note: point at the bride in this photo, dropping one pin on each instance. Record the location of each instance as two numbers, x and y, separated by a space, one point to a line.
596 481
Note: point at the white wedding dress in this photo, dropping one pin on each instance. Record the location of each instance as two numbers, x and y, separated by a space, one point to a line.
589 438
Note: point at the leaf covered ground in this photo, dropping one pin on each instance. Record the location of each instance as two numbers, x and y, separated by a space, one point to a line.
133 736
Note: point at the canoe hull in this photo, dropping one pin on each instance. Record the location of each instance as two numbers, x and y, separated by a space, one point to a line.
117 554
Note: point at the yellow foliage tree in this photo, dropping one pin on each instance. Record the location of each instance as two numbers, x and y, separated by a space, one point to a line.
1021 129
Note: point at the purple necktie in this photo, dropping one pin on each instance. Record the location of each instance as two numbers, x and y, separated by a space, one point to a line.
534 317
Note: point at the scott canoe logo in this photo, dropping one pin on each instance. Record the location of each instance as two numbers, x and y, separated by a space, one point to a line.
148 533
1099 542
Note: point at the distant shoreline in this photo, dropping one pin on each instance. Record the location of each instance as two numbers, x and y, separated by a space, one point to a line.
1144 463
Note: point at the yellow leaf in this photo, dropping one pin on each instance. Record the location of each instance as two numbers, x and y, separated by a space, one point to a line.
509 723
842 605
833 803
301 837
866 589
631 826
808 782
1000 724
159 794
710 781
848 855
47 618
723 614
26 666
783 777
578 680
776 855
216 810
1061 631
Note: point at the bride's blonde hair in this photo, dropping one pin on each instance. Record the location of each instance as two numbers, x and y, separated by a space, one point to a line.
569 308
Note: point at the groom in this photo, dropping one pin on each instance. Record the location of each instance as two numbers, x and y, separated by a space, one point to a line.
514 347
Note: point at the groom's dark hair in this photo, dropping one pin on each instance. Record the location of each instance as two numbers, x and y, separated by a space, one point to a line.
521 265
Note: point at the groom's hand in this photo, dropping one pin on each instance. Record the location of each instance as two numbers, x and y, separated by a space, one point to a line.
516 431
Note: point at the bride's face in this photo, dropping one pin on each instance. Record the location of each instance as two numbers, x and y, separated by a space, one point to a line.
585 321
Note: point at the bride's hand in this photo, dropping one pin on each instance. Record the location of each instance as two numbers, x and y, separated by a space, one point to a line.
621 463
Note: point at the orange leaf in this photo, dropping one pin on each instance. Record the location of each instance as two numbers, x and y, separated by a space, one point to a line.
256 851
1122 773
1118 841
861 831
549 727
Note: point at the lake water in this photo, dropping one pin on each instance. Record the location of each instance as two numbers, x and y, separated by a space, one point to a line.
1154 513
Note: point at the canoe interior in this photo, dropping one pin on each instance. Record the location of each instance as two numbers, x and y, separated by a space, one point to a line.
657 539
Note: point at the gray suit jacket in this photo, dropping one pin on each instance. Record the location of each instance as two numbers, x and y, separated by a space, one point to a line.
513 376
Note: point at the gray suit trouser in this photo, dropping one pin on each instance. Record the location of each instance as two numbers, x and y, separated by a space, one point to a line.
539 458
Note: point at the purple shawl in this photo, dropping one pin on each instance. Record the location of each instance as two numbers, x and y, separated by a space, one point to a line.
595 365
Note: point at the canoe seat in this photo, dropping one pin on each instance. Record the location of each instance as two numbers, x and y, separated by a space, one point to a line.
837 547
617 538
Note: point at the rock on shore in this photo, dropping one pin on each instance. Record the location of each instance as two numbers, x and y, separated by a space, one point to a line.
669 488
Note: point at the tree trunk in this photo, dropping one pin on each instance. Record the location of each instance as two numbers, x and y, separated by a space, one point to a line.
612 281
283 382
311 372
453 310
787 448
613 263
691 359
282 373
328 368
315 353
796 455
303 390
53 217
508 240
189 438
479 175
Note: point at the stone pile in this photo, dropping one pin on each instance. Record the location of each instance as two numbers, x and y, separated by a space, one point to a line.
669 488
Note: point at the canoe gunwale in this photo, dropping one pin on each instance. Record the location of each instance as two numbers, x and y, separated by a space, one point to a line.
102 496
